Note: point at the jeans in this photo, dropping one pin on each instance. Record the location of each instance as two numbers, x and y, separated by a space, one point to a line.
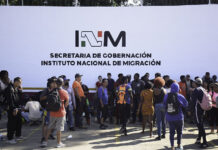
70 119
176 126
161 119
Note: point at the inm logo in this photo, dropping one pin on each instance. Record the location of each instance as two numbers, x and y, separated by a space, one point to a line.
100 40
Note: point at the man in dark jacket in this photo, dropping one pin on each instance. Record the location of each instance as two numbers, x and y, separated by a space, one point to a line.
13 98
199 113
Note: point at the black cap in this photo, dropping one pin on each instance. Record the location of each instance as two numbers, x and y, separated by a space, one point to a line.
78 75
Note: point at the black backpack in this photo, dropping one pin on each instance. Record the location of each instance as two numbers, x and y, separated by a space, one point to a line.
172 104
53 101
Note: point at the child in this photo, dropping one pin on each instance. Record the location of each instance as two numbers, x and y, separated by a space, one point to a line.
147 108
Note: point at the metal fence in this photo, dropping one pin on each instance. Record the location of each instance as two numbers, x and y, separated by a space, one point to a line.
102 2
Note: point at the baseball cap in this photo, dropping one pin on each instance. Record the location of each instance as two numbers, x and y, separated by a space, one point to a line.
78 75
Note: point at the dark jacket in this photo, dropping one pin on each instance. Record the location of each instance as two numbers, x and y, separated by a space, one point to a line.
12 97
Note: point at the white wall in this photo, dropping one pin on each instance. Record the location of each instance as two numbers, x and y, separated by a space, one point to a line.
184 38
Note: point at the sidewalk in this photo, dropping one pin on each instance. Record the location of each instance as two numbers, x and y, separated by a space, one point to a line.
108 139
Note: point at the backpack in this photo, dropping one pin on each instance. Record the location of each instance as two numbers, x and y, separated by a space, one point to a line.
206 103
122 94
172 104
53 101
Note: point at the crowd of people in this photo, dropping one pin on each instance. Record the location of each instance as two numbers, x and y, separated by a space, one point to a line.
159 101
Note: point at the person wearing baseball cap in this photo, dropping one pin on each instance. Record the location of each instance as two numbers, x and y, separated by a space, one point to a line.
80 100
199 113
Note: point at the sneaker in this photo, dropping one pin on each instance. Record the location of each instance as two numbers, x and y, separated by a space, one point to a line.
121 130
44 144
42 140
11 141
198 142
179 148
19 138
158 138
204 145
163 136
102 127
60 145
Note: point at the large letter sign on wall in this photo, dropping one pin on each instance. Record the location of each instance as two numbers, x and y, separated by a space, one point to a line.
39 42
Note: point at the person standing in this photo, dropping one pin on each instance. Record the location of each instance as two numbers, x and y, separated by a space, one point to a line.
13 97
124 103
103 103
72 105
147 107
137 87
80 100
51 85
199 113
173 103
159 94
57 118
111 96
213 113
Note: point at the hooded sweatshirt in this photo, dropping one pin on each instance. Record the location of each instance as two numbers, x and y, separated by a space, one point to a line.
183 103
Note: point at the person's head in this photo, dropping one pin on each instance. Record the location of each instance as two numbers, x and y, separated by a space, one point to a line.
60 82
129 78
148 85
207 75
78 77
169 83
4 76
17 82
198 82
182 78
124 80
187 77
157 75
166 78
147 75
136 76
194 85
109 75
159 82
120 76
105 82
174 87
100 78
214 77
51 84
66 84
205 85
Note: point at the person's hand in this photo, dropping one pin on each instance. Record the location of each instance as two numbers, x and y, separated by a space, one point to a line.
15 112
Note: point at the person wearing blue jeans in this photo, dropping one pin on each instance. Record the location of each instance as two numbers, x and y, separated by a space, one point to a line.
160 120
72 104
159 94
174 102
